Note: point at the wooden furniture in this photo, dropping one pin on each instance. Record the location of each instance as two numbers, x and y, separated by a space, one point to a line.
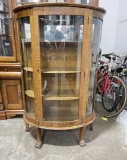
10 68
59 65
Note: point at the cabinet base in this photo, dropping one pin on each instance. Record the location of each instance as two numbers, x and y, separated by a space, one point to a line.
13 113
82 143
2 115
7 114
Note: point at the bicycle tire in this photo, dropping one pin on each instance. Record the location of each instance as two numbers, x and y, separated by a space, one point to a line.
115 104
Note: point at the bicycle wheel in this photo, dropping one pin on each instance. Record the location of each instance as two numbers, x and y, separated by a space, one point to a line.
111 102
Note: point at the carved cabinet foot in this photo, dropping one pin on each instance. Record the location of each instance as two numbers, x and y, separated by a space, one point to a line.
38 144
82 142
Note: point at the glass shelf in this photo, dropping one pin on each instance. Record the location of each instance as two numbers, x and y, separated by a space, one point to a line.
29 93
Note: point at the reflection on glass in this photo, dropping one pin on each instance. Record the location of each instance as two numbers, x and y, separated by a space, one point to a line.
23 2
25 38
60 45
5 35
96 34
60 28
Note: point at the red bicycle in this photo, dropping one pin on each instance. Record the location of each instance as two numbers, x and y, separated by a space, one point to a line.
110 93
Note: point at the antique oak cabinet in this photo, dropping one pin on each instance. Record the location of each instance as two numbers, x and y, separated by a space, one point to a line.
59 43
10 69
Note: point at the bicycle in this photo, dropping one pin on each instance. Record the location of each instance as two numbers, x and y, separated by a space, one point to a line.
110 93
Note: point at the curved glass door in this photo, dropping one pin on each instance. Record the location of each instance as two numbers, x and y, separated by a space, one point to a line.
24 25
95 45
60 48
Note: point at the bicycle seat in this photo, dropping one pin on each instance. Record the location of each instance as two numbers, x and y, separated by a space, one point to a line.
110 55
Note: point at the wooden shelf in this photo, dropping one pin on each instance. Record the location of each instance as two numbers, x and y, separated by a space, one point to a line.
58 71
30 69
29 93
61 95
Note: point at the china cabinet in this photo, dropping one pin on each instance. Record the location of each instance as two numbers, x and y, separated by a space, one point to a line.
59 44
10 69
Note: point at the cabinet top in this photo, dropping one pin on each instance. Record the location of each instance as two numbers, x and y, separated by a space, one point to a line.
29 6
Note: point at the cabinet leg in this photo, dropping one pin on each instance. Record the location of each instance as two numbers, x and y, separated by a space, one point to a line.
27 127
91 127
38 144
82 142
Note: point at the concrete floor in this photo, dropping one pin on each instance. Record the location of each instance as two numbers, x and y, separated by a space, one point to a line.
105 142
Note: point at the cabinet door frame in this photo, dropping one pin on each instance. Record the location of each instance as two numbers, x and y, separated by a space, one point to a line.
13 41
87 14
17 84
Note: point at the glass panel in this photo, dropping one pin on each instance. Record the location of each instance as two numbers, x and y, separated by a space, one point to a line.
96 34
22 2
60 44
24 24
5 34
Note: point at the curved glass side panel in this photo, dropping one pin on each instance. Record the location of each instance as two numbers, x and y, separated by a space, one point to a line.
60 45
95 45
5 32
25 39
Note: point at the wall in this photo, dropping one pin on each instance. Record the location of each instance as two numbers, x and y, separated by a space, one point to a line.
109 25
120 44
